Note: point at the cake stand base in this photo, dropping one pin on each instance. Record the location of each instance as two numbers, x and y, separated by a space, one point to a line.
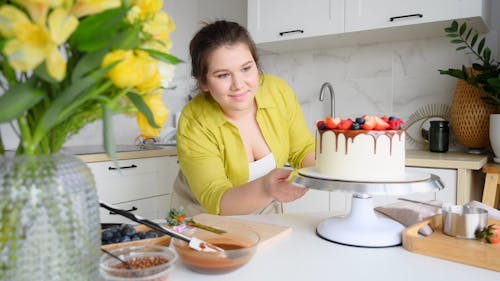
362 227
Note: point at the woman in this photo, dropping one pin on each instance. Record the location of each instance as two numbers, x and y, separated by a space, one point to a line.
237 133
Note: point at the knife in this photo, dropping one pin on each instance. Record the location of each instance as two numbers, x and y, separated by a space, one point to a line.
194 242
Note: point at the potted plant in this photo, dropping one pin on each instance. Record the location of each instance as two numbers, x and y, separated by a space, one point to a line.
483 75
64 64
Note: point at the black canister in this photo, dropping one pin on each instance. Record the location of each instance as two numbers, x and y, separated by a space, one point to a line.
439 136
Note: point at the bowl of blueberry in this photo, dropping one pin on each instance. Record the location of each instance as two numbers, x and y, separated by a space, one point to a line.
120 235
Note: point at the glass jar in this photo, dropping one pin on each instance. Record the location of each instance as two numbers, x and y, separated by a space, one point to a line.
439 135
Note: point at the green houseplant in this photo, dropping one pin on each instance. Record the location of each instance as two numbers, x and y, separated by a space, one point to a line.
485 73
64 64
477 95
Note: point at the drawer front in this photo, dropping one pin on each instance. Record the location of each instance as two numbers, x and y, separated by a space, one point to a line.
151 208
136 179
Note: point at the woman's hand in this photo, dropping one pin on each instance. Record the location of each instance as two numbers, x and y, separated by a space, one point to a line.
276 184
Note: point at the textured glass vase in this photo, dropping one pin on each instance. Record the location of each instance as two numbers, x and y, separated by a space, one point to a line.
49 220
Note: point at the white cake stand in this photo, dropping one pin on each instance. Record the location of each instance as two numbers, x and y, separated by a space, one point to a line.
362 227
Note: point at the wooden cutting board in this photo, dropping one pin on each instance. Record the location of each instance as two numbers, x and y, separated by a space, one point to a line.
439 245
269 233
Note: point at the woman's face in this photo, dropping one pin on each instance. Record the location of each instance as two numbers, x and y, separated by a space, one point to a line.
232 77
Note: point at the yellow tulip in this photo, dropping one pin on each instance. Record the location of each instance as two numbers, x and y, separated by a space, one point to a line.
160 114
125 73
135 69
159 28
150 84
89 7
143 9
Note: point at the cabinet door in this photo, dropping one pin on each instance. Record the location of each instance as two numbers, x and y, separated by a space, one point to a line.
368 14
135 179
151 208
277 20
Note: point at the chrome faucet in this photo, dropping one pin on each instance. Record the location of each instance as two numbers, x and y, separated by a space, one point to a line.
332 97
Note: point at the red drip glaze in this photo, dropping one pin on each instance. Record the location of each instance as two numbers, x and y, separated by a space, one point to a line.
351 135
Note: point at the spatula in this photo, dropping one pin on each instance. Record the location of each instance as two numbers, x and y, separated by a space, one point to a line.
194 242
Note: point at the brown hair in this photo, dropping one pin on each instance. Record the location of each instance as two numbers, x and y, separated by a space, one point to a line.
212 36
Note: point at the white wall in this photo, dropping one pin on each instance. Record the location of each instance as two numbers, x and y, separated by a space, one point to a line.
388 78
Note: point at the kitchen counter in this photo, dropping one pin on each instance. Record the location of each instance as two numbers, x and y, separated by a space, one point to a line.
95 153
302 255
470 179
451 159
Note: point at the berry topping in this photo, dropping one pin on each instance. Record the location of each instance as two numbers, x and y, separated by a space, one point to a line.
345 124
360 120
366 122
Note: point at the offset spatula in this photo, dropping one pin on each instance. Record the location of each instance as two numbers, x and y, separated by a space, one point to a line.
194 242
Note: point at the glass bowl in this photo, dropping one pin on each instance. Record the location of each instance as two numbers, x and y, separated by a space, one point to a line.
239 247
149 263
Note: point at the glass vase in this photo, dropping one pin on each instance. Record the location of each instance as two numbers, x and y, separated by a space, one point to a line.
49 226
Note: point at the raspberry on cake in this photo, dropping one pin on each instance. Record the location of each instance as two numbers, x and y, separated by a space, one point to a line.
371 148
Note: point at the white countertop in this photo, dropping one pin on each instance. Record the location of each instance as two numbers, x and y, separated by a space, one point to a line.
302 255
415 158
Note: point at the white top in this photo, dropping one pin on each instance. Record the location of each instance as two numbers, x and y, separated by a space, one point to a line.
261 167
302 255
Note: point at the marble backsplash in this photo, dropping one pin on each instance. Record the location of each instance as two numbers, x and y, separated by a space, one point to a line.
393 78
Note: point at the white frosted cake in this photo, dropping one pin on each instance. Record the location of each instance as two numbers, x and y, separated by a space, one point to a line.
361 155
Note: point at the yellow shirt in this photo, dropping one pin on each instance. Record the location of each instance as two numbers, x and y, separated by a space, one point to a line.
211 153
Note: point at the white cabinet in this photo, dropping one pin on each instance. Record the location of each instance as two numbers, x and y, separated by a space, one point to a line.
280 25
367 14
277 20
143 185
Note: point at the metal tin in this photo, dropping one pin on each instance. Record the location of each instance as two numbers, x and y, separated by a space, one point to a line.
464 221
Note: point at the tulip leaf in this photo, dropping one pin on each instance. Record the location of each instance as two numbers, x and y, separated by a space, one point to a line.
90 34
69 95
88 63
163 56
126 39
143 108
17 100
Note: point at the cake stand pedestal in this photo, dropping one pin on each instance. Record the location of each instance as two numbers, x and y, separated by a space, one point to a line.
362 227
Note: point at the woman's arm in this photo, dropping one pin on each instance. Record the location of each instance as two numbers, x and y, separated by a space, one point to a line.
255 195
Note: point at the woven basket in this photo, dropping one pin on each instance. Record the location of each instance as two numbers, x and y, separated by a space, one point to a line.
470 116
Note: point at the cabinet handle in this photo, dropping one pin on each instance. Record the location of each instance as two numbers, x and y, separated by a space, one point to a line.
406 16
124 167
134 208
291 31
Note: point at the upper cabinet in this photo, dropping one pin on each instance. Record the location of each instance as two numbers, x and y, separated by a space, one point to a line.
363 15
280 25
277 20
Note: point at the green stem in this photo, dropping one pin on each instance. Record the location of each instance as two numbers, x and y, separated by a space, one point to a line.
472 49
26 141
2 147
73 106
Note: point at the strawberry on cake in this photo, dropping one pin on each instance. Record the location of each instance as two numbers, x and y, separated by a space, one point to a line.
368 148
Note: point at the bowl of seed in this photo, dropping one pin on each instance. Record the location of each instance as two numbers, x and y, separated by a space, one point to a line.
140 263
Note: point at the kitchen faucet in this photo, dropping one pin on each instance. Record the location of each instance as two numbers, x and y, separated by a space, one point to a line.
332 97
